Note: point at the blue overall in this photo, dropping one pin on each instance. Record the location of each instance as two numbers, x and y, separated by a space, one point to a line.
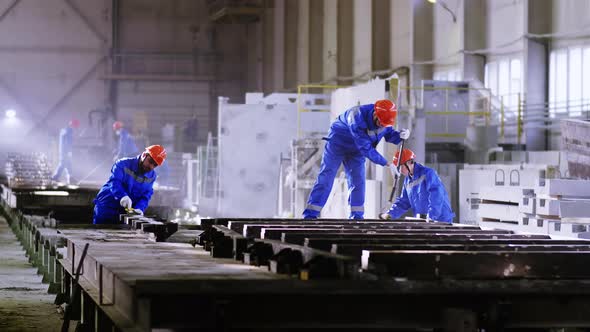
125 180
65 153
126 147
424 193
353 137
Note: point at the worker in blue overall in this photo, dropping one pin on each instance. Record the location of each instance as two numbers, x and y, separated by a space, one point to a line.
423 192
66 136
353 137
130 186
126 146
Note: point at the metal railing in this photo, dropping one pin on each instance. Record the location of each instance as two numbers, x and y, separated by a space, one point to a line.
477 110
517 117
171 64
308 101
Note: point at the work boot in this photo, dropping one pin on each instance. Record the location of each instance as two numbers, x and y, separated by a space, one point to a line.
384 216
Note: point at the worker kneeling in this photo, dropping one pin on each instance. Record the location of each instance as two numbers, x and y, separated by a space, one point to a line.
130 186
423 192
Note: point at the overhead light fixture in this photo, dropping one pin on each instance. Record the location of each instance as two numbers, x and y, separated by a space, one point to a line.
10 113
444 5
51 193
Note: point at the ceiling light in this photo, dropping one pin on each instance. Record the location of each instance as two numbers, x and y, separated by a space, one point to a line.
432 1
51 193
10 113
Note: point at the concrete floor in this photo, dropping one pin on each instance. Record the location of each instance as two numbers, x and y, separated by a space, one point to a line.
25 304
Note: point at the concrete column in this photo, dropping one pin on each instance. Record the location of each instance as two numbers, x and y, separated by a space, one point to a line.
254 56
401 40
473 37
345 29
291 44
268 60
302 41
362 36
401 33
536 63
330 36
316 40
422 41
279 22
422 51
381 33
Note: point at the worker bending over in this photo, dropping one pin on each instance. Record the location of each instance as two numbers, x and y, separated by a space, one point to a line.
130 186
353 137
423 192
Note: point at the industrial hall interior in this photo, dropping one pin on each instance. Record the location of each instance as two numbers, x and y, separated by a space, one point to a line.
290 165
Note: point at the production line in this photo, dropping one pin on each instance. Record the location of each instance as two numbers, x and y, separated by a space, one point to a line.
148 273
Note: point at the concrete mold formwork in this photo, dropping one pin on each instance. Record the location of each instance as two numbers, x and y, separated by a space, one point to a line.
132 282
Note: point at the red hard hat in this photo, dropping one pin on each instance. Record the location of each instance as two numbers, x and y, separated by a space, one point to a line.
117 125
74 123
157 152
386 112
407 155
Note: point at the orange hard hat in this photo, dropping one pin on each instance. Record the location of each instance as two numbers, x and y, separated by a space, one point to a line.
407 155
74 123
157 152
386 112
117 125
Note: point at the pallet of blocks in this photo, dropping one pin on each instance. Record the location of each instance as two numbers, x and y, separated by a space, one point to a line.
558 207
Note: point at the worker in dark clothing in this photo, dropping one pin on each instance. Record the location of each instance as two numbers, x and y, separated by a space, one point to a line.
126 146
352 138
66 136
130 186
423 192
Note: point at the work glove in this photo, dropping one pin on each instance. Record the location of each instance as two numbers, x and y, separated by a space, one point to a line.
126 202
138 211
394 171
384 216
404 134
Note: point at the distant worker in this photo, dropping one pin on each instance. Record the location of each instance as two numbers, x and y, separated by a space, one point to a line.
353 137
126 146
423 192
130 186
64 167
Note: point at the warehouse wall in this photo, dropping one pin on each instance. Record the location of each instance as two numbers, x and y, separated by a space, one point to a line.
505 26
570 16
295 42
52 54
56 65
447 36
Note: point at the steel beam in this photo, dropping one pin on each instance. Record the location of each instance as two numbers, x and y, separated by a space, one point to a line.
429 264
53 110
86 21
254 230
326 243
9 9
300 238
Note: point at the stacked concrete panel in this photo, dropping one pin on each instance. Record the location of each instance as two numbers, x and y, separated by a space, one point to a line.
576 142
